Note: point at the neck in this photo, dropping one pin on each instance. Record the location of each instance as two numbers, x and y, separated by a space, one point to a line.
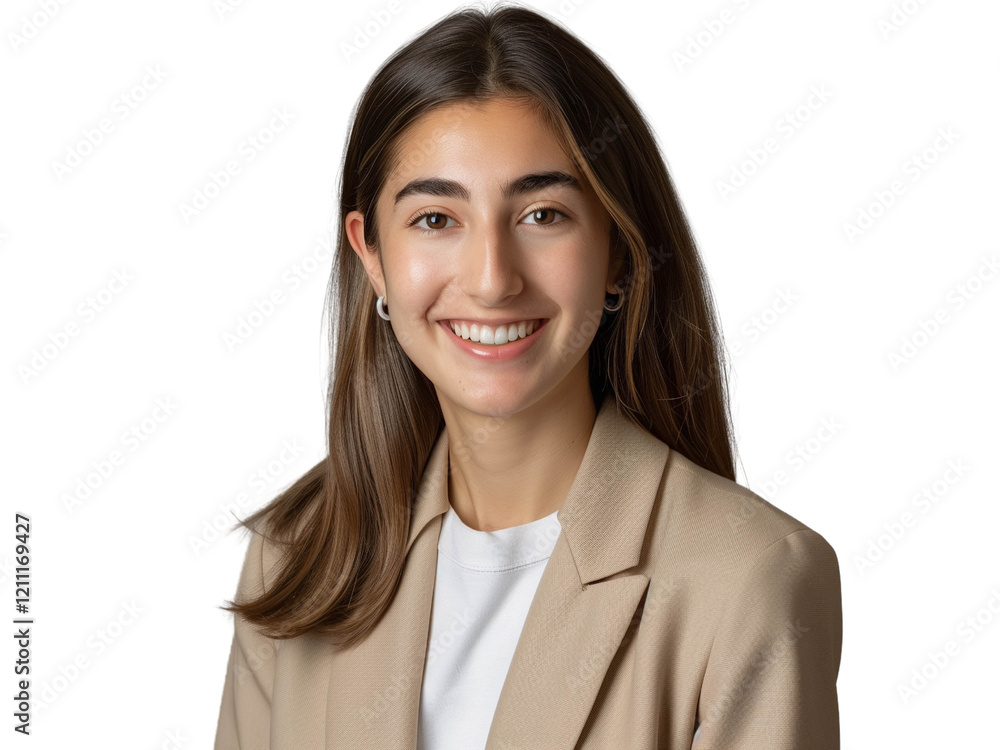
523 469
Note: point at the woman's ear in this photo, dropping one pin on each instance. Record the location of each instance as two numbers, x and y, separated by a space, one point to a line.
354 226
617 255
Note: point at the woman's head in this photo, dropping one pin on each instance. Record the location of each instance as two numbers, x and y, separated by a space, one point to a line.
478 99
659 354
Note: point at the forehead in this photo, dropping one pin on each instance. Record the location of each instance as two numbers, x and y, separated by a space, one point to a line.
498 136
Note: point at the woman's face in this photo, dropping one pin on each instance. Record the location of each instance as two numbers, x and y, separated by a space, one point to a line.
486 221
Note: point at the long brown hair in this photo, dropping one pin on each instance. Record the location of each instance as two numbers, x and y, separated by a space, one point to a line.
343 526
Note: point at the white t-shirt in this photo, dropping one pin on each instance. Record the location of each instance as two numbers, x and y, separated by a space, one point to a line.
484 587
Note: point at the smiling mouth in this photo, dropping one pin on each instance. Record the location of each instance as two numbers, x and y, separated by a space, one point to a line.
494 336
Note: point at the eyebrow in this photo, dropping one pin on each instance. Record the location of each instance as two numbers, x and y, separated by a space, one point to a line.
519 186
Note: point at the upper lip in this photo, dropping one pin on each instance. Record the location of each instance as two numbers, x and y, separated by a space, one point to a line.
490 323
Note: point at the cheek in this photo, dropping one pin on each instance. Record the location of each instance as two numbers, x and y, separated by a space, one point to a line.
405 258
413 280
574 276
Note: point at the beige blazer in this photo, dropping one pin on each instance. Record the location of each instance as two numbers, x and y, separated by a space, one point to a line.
674 601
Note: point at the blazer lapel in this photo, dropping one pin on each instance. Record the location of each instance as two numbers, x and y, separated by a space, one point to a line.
586 599
581 611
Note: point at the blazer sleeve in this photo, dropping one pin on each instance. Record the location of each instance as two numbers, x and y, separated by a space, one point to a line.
771 677
245 713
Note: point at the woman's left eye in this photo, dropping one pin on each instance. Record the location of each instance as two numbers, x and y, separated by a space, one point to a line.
546 210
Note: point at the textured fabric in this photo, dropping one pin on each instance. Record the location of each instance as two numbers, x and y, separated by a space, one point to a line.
674 601
484 585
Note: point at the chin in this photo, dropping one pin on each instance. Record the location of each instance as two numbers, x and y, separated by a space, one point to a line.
492 402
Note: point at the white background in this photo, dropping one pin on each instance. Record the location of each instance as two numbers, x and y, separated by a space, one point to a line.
824 358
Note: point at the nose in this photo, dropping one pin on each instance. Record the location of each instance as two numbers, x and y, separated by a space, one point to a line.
490 266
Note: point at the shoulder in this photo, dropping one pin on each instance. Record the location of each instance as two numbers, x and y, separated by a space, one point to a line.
752 597
720 532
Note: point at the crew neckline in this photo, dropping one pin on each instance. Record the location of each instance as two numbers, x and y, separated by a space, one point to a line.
499 550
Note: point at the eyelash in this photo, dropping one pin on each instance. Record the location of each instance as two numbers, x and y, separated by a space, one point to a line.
432 212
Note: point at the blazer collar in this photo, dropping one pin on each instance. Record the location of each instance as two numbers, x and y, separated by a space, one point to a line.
606 511
581 611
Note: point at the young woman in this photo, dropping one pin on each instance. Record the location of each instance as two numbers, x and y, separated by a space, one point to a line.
527 532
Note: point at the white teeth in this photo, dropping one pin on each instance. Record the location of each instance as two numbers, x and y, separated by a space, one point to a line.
502 334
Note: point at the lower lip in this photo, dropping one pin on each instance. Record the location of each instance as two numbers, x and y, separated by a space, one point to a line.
493 352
